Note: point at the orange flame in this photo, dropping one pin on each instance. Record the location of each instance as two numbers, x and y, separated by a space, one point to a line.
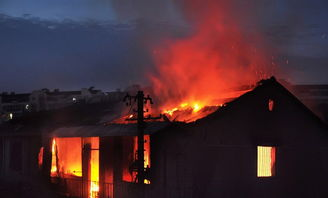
146 154
208 67
67 160
64 162
94 166
53 170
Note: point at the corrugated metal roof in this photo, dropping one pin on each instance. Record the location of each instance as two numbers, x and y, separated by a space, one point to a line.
107 130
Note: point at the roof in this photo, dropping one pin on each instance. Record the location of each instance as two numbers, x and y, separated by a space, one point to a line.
65 93
91 119
9 98
107 130
268 85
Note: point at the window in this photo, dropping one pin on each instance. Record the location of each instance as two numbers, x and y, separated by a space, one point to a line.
130 169
266 159
271 105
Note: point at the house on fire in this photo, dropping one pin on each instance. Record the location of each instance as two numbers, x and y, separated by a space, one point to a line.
265 143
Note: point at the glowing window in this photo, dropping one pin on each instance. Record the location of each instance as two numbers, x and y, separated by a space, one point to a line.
270 104
130 172
266 159
64 162
40 157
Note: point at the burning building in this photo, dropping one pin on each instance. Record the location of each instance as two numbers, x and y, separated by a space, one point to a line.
97 161
263 143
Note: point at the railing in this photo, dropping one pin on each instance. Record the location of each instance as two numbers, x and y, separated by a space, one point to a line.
78 188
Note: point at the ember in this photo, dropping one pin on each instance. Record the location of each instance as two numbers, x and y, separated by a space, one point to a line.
208 67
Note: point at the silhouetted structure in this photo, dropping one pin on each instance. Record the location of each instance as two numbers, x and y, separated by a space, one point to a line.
265 143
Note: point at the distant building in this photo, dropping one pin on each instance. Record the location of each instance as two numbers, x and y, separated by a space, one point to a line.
44 99
13 104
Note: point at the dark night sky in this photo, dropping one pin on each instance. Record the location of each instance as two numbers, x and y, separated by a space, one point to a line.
81 43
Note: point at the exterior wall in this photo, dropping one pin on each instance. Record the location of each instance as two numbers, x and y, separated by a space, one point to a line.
19 157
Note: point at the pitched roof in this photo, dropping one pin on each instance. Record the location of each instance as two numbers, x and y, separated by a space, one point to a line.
268 85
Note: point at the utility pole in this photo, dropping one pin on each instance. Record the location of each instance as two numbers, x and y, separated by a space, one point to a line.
141 100
141 147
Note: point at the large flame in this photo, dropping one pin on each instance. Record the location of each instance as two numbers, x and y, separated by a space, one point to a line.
63 162
208 67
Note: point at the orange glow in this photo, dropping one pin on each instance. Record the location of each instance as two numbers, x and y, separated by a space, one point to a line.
66 157
40 157
271 105
94 168
266 158
146 154
53 170
147 151
210 65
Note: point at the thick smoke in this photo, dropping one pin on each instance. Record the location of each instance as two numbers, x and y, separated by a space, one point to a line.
111 58
218 56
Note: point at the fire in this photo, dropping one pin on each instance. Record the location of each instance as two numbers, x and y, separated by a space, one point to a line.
53 170
63 162
210 65
146 154
94 166
67 160
184 106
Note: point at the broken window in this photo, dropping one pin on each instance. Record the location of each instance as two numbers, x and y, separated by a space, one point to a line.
266 159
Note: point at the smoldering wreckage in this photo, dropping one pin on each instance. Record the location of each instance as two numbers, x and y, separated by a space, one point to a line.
265 143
